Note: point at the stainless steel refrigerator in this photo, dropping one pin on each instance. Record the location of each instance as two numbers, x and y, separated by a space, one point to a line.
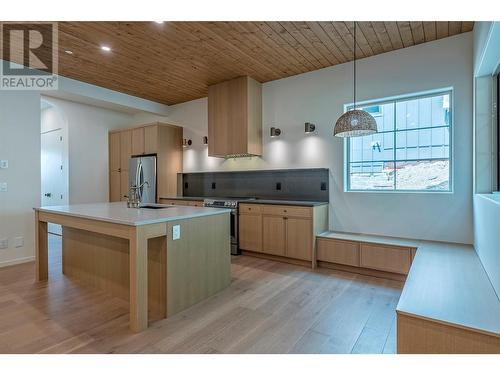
142 172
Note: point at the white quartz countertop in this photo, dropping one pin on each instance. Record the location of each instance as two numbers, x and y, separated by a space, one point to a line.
119 213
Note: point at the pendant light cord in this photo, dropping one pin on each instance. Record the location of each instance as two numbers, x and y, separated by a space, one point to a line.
354 65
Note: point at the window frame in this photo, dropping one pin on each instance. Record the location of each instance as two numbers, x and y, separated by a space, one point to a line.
419 95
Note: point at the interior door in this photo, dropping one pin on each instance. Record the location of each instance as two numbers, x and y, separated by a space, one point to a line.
54 183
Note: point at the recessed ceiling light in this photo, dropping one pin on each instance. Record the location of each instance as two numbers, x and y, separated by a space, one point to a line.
106 48
159 22
68 52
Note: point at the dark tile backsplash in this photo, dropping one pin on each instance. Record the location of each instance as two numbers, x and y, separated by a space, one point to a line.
291 184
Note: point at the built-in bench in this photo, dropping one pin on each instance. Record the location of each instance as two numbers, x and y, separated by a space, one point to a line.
448 304
380 256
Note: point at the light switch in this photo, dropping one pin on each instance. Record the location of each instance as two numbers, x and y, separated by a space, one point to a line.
4 164
18 241
4 243
3 187
176 232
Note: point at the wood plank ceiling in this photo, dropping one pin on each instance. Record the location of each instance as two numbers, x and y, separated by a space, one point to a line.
174 62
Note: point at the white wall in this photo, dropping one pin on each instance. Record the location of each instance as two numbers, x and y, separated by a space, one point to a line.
486 216
319 96
20 125
20 144
88 128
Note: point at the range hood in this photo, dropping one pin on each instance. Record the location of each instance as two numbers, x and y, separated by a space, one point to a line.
235 118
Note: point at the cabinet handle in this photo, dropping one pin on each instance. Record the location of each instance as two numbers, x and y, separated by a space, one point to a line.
119 169
284 210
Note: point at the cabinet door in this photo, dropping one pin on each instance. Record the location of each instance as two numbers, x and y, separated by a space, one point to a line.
250 232
138 141
299 238
273 235
114 151
125 149
123 185
114 186
151 139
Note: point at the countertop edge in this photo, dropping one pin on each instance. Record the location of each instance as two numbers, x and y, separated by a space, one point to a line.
138 223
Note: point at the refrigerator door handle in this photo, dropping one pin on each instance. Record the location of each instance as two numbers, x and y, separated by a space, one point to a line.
141 180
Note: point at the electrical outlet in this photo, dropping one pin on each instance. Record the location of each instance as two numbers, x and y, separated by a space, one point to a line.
323 186
18 241
4 243
176 232
213 185
278 185
4 164
3 187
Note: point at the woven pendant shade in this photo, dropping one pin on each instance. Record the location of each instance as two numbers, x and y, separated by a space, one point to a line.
355 123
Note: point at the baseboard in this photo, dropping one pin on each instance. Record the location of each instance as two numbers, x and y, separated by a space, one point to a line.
277 258
13 262
363 271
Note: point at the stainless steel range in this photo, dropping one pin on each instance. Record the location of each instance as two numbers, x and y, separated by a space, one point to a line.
231 203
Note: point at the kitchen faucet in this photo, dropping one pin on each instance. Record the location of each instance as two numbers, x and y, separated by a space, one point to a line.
134 198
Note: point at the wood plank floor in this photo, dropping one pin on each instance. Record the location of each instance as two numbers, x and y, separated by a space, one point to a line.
270 307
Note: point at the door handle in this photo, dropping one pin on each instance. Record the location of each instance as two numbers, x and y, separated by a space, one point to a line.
48 195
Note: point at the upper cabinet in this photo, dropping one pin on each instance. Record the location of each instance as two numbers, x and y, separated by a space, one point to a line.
235 118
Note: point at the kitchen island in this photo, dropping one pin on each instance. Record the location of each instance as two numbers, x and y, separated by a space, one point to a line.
162 260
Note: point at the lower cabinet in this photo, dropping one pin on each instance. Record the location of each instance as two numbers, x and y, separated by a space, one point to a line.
273 235
250 233
285 231
299 238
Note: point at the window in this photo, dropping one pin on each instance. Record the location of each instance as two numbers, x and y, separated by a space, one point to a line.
410 152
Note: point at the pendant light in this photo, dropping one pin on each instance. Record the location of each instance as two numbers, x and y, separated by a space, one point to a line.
355 122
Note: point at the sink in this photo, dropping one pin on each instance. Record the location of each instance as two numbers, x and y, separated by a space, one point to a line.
154 206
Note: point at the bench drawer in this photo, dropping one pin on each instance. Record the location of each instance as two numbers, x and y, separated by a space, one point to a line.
287 211
337 251
385 258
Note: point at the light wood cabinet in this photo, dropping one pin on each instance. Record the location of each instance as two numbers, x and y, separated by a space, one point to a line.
164 140
151 139
337 251
125 149
280 230
299 238
114 152
385 258
235 118
273 235
138 141
250 233
114 186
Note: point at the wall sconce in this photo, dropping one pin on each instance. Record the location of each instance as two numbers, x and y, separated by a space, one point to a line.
309 128
205 140
186 142
275 132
